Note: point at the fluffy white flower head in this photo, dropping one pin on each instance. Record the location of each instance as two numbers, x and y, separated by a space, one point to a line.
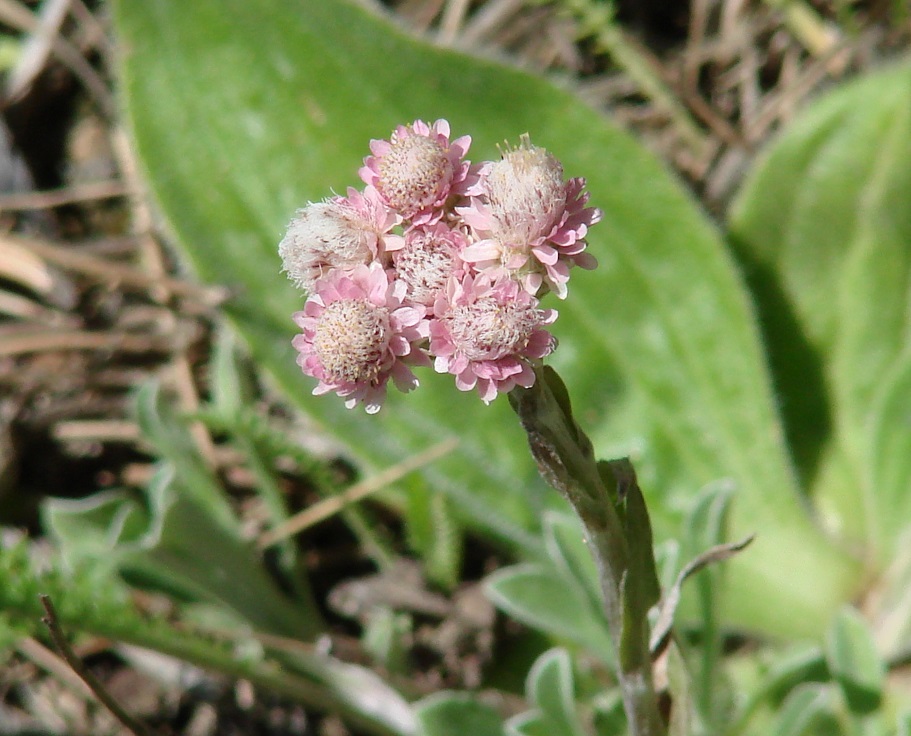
337 233
525 194
529 224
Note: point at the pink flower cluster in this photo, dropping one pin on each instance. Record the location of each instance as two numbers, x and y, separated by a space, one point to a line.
436 261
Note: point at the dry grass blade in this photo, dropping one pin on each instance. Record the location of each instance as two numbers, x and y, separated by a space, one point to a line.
107 271
29 310
36 652
35 341
67 195
18 16
23 266
97 430
324 509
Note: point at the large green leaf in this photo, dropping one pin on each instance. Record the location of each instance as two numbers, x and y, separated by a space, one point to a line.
244 111
824 228
541 598
854 662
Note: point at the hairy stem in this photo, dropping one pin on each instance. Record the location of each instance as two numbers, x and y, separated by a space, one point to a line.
565 459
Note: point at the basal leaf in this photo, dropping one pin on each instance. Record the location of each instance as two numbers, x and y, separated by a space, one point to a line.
550 687
540 597
824 229
243 112
455 714
854 662
889 451
567 547
808 711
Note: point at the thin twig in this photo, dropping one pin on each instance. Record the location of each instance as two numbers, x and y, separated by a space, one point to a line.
37 341
101 268
53 625
814 33
326 508
40 200
596 20
17 16
40 655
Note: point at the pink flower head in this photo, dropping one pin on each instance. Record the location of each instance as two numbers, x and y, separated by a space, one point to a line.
417 169
485 333
357 332
530 223
341 232
427 260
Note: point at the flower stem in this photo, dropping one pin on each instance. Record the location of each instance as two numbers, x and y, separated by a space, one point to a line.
624 560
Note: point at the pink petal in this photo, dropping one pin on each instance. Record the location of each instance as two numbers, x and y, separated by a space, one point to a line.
461 145
488 390
533 283
466 381
540 343
526 378
475 217
586 261
460 364
393 243
399 346
404 379
545 254
516 261
483 250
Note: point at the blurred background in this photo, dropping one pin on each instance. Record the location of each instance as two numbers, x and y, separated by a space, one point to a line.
95 301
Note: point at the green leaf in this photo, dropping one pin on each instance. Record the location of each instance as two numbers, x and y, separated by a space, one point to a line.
808 711
456 714
854 662
893 605
88 599
706 527
172 441
184 539
642 572
540 597
772 682
890 460
708 519
684 718
823 228
608 716
231 387
904 723
550 688
11 633
242 112
178 547
185 545
95 526
433 531
567 547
